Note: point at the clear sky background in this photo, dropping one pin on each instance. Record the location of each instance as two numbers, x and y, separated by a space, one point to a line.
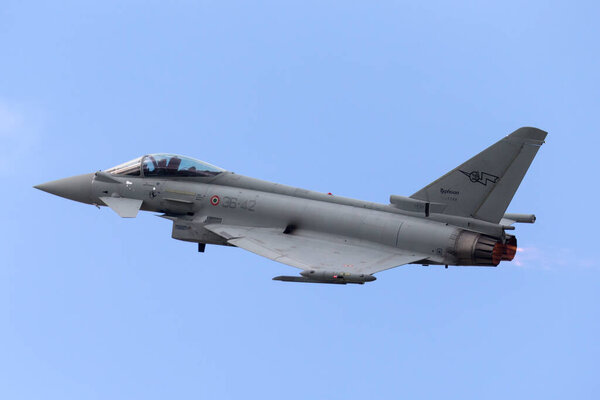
362 99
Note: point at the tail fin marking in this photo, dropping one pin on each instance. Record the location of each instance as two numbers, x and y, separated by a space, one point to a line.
483 186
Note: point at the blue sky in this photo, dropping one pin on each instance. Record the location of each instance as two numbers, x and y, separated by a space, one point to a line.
359 99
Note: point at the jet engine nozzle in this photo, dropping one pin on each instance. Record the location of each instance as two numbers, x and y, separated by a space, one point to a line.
509 249
476 249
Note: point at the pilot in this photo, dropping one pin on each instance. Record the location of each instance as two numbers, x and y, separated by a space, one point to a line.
173 165
161 168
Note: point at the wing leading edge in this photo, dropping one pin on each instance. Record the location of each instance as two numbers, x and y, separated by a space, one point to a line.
323 258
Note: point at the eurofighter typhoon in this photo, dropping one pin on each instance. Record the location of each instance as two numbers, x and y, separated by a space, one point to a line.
459 219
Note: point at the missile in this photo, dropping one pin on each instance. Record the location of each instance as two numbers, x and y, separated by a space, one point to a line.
340 278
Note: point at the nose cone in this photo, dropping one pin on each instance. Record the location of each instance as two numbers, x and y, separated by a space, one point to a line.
78 188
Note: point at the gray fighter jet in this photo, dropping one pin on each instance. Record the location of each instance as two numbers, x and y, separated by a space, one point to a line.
459 219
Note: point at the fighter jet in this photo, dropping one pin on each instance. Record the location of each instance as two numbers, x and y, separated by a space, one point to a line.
459 219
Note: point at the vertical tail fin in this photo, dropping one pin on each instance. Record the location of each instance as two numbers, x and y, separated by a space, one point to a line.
484 186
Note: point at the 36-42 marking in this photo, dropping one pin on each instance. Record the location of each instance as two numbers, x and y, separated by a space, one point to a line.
234 202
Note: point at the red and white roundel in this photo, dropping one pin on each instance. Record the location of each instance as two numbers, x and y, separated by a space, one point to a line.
215 200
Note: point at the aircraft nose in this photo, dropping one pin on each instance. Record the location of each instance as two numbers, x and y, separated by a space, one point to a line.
78 188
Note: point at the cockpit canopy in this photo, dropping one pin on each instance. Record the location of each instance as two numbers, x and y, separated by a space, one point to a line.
166 165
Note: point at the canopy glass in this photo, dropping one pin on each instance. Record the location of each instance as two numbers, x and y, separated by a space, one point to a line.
166 165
